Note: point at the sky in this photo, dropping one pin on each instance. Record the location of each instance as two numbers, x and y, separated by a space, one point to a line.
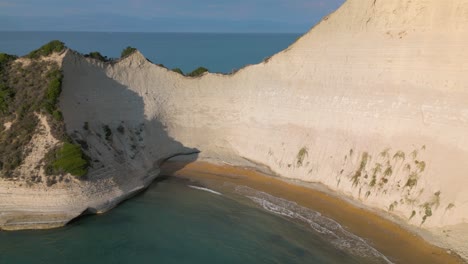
294 16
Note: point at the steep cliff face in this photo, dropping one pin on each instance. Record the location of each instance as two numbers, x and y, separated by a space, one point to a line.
372 102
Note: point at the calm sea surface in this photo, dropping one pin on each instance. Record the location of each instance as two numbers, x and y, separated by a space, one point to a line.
173 222
217 52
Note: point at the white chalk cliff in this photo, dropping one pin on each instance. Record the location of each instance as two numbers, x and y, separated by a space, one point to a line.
372 102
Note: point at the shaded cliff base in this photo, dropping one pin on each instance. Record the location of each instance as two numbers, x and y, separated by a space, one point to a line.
396 241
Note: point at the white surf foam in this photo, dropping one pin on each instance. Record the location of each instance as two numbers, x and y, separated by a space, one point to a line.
204 189
326 227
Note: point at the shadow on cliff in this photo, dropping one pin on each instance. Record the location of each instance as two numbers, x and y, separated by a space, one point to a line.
125 145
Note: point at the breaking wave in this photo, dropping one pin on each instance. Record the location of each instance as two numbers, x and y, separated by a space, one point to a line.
204 189
327 228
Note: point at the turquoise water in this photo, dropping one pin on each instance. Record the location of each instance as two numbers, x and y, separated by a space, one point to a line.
217 52
173 223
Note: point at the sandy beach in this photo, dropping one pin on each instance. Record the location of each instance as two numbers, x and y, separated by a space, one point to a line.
394 241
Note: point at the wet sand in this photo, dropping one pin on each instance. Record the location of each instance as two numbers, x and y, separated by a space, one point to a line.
397 243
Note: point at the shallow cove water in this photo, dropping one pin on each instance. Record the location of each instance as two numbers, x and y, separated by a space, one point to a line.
173 222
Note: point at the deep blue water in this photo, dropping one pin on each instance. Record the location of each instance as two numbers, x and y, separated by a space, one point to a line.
171 222
217 52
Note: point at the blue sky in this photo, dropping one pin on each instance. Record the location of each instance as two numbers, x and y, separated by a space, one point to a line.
164 15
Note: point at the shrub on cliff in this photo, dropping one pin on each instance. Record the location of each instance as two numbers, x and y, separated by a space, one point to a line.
53 92
24 92
5 59
6 96
96 55
67 159
178 70
197 72
127 51
107 132
47 49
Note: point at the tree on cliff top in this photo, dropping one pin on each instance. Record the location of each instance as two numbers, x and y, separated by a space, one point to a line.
197 72
96 55
178 70
127 51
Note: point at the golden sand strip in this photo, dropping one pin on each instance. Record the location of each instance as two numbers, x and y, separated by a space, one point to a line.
391 239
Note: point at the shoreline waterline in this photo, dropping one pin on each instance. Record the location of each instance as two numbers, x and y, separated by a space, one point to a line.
394 241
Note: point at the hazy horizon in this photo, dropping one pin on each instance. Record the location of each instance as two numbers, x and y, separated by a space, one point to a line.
178 16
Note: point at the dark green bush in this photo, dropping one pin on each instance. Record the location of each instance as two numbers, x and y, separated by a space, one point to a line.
127 51
47 49
121 129
178 70
6 96
68 159
197 72
57 115
5 59
96 55
107 132
53 92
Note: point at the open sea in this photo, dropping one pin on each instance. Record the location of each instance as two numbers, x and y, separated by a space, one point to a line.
187 51
176 221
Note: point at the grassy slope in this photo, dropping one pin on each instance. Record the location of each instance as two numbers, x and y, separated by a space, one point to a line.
25 91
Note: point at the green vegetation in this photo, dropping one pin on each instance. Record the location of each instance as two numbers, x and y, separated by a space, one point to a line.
421 165
47 49
96 55
127 51
385 153
6 96
5 59
364 159
303 152
197 72
414 154
412 214
57 115
67 159
107 132
373 181
121 129
399 155
450 206
53 92
407 167
178 71
427 212
412 180
388 171
6 93
25 92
